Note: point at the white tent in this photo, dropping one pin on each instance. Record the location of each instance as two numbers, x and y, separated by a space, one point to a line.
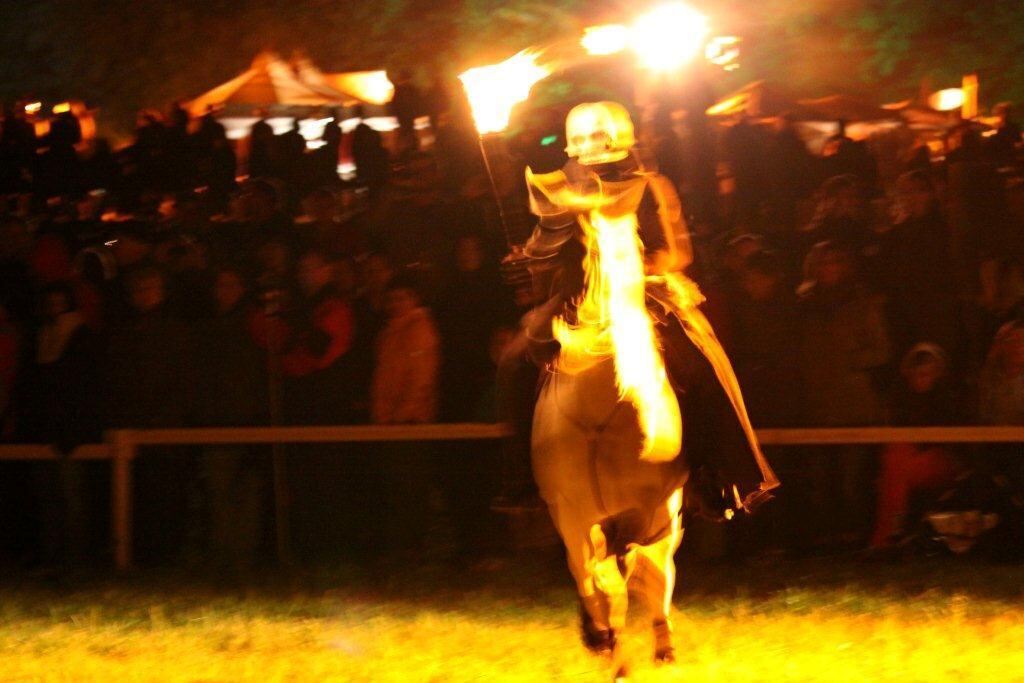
269 81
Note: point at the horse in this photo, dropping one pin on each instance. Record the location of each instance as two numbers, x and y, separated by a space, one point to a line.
607 440
618 514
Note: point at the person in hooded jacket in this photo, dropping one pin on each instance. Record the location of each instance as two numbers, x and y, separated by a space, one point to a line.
925 397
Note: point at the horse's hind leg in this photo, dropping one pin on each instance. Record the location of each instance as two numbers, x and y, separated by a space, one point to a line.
654 575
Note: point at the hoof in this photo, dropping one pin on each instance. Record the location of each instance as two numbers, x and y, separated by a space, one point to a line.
600 642
620 665
664 653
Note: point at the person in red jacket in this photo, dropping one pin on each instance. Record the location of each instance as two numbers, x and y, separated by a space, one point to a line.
320 330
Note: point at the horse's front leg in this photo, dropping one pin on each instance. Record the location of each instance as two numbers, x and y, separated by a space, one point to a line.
595 628
610 582
654 573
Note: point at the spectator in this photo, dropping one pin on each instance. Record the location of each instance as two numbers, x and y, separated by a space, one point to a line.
766 341
1001 396
404 390
370 157
232 390
841 215
130 249
148 359
261 144
745 146
406 104
149 384
842 155
262 214
324 159
468 314
322 328
844 344
17 295
790 172
1005 143
214 159
1000 300
408 359
290 160
230 367
369 305
916 270
844 340
321 228
976 203
1001 399
924 398
437 99
58 404
17 150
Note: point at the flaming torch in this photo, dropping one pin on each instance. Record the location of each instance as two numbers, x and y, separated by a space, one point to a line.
492 92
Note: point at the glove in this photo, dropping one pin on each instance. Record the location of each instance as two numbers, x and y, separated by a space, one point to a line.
515 268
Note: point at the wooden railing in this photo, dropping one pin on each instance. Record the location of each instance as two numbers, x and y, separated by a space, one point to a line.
122 446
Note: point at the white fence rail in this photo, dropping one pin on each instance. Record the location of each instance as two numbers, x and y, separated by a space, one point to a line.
122 446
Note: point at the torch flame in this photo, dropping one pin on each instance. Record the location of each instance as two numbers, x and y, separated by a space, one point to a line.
612 319
608 39
947 100
669 36
493 90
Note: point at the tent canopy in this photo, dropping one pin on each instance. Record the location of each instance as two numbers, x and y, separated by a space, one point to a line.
272 81
759 100
922 117
368 87
756 99
844 108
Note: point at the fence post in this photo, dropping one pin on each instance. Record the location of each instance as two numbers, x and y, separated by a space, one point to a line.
123 449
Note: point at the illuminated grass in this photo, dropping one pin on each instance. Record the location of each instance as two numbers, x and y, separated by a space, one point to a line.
793 622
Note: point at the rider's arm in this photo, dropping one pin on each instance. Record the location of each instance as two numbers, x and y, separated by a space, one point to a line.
671 249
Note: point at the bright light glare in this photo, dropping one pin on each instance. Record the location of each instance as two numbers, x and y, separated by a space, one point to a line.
33 108
669 36
605 40
493 90
369 86
62 108
722 50
947 100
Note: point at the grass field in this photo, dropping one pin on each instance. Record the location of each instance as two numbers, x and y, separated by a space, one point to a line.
824 620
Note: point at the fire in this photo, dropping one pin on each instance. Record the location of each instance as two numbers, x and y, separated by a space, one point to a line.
669 36
947 100
612 320
608 39
723 51
493 90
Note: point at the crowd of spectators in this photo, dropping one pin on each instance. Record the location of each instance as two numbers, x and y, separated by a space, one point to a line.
158 286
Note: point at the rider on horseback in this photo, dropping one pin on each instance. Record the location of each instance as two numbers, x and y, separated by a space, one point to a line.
605 177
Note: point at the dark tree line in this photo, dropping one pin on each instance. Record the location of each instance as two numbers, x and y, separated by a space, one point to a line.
123 55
